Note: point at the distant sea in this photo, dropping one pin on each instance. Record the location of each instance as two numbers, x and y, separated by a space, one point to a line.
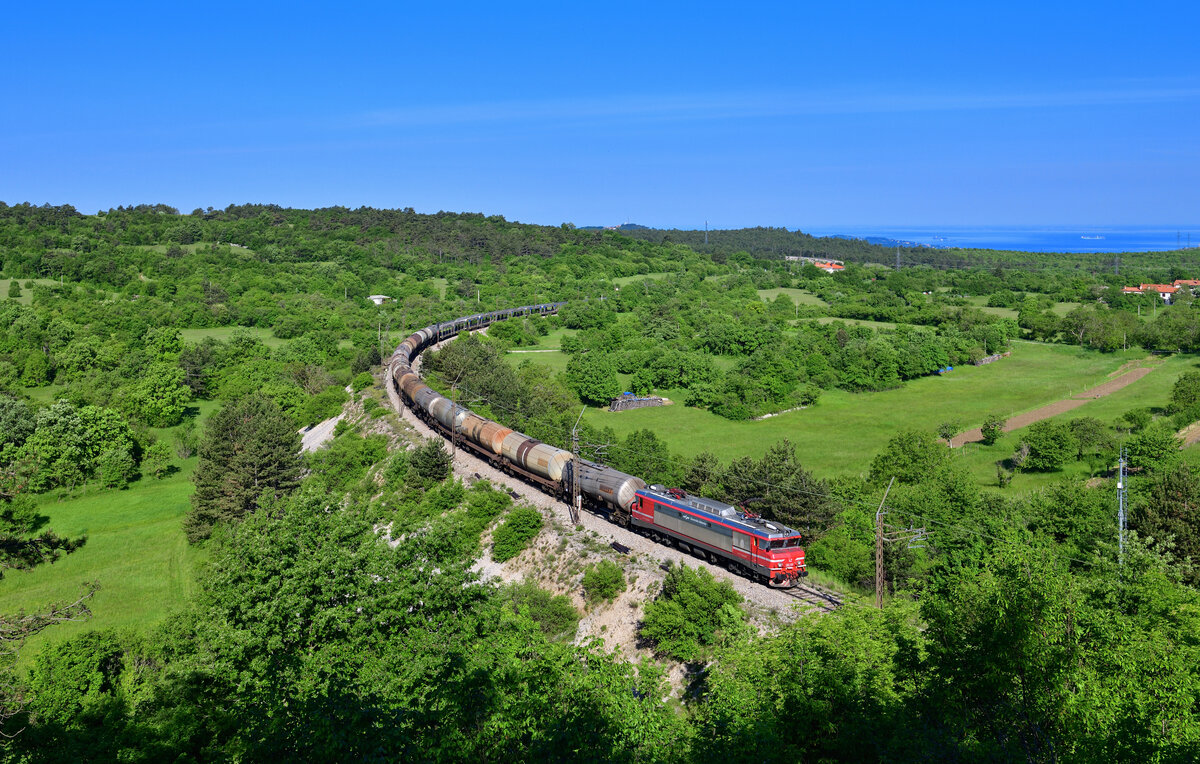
1026 239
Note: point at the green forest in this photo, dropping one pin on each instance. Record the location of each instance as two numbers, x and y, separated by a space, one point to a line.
182 578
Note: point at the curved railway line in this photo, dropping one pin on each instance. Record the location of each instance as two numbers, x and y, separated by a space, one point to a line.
713 531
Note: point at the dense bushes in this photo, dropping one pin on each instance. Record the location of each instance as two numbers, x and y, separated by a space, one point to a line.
518 529
692 613
1047 445
603 581
346 460
553 613
430 460
70 445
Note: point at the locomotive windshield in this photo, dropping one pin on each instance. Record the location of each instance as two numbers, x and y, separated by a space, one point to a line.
785 543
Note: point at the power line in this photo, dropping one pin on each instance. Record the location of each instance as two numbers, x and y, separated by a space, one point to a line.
795 490
864 503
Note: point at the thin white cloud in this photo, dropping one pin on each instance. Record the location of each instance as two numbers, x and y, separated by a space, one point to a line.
782 104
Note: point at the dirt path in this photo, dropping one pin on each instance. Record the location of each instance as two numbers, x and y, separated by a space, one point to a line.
1059 407
1190 434
320 433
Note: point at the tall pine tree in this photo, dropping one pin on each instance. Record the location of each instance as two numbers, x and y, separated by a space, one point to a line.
250 450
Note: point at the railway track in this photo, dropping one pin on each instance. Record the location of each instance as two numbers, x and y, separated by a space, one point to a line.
815 596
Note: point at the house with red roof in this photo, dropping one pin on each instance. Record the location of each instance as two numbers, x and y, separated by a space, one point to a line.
1165 291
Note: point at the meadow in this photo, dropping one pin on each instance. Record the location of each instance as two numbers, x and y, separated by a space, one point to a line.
626 280
1059 308
135 551
26 297
843 432
224 333
798 296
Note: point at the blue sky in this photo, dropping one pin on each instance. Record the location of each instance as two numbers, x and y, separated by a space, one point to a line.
667 114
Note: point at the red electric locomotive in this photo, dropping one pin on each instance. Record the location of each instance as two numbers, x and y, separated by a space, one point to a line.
718 530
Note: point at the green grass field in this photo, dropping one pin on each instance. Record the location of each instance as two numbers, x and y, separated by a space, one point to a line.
798 296
223 333
843 432
624 280
135 550
26 297
851 322
1058 309
551 341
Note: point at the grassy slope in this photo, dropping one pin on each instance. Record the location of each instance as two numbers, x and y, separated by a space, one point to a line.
223 333
26 297
135 550
798 296
843 432
623 280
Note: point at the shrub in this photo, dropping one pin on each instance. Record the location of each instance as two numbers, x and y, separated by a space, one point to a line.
157 460
1186 392
603 581
116 468
362 381
430 460
1183 417
511 538
553 613
1155 446
76 675
486 503
1134 420
324 405
693 611
1051 445
993 428
346 460
186 440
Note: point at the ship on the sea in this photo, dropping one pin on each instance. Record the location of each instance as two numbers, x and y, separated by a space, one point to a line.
1092 238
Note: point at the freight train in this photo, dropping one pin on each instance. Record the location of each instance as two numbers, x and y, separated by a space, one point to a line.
712 530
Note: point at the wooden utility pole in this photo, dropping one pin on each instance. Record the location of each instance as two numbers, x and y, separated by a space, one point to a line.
879 582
